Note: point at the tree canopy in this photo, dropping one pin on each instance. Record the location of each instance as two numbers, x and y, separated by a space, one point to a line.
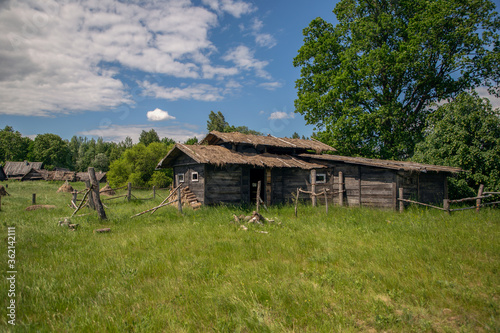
217 122
367 82
464 133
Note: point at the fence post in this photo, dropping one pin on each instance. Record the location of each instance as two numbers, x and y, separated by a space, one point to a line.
75 196
479 194
258 195
154 192
341 188
401 203
296 202
129 191
33 199
446 205
313 187
179 198
326 202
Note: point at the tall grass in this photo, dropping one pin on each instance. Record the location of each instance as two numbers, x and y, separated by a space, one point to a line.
351 270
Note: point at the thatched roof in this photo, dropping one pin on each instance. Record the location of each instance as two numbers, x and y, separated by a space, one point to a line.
59 175
16 169
387 164
220 156
215 138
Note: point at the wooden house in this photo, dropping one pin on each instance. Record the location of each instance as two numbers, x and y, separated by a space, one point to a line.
24 170
226 167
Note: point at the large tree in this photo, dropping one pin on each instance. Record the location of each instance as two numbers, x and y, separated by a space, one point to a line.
51 150
367 82
464 133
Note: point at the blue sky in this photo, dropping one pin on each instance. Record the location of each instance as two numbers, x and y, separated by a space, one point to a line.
112 69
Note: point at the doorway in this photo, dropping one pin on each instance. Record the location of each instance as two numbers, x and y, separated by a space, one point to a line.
255 176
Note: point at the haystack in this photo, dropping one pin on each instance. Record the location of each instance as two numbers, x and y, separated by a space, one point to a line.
3 192
66 187
107 190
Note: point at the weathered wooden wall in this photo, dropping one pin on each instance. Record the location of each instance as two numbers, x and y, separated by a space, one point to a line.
197 187
223 184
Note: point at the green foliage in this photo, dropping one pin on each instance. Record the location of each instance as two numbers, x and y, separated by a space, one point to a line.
191 141
51 150
146 138
13 147
217 122
137 165
464 133
368 81
352 270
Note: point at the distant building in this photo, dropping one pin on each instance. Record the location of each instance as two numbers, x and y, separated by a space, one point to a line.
24 170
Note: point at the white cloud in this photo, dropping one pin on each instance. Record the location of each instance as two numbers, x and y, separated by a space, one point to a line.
243 57
262 39
483 92
158 115
281 115
271 85
56 56
117 133
199 92
235 8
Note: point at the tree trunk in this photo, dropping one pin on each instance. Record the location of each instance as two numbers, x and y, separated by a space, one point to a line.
97 199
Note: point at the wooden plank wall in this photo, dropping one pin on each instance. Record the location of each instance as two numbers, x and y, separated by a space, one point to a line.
197 187
377 187
223 184
431 187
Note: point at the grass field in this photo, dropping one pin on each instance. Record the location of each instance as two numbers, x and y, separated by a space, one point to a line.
353 270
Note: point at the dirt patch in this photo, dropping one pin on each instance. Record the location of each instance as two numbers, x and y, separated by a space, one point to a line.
36 207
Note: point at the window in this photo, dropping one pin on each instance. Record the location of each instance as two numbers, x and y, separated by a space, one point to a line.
320 178
180 178
194 176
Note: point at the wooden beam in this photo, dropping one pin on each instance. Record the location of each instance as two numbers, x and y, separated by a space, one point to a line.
401 202
258 195
313 187
341 188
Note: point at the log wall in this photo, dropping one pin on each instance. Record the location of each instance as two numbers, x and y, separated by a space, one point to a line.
223 184
197 187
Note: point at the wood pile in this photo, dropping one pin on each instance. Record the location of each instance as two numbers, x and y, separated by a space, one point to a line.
188 198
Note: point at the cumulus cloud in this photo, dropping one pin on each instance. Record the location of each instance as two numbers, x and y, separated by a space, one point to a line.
244 58
235 8
199 92
65 57
158 115
271 85
262 39
117 133
281 115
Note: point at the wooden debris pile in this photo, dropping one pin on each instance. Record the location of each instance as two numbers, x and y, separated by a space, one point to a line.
67 223
254 218
188 198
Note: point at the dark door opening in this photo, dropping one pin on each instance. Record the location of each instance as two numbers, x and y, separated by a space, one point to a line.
255 176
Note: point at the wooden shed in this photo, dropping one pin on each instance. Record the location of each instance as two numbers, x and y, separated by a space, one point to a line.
225 167
23 170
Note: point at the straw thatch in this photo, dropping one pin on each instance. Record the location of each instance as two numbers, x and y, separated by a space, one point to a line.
59 175
107 190
19 169
3 192
220 156
217 138
66 187
386 164
84 176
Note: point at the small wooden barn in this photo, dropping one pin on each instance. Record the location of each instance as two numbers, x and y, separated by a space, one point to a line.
24 170
226 167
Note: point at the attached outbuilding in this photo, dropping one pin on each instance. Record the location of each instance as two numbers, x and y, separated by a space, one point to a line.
226 168
23 170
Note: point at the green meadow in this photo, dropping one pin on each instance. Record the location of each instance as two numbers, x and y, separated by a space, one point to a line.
351 270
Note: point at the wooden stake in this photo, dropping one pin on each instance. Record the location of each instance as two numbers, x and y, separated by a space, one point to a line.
479 194
179 199
154 208
401 203
341 188
258 195
129 191
296 202
446 205
154 192
326 202
97 200
33 199
313 187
